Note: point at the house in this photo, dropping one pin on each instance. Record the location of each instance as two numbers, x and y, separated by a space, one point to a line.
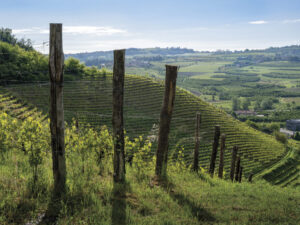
288 133
293 125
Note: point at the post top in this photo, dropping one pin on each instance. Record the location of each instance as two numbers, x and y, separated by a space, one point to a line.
120 50
174 66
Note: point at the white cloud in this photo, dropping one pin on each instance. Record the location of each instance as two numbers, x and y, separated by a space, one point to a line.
258 22
291 21
100 31
74 30
34 30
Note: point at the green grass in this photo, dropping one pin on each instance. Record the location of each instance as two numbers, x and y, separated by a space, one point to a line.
187 198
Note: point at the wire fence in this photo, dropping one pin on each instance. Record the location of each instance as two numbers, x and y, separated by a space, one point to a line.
90 102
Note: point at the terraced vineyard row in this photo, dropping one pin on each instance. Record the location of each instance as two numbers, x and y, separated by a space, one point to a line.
18 109
90 101
287 171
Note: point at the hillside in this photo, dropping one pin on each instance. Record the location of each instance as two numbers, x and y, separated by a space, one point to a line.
91 198
251 76
90 102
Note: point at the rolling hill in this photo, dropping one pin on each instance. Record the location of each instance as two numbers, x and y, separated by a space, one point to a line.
90 101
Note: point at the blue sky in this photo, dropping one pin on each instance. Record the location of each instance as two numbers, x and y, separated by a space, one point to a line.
91 25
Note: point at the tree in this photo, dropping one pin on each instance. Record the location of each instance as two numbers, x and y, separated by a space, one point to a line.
246 103
266 104
297 136
280 137
7 36
235 104
73 66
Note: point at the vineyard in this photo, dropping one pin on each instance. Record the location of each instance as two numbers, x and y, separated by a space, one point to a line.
89 102
287 171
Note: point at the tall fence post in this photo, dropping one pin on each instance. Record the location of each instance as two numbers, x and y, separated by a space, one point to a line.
196 151
250 178
237 171
117 118
214 151
222 149
56 66
165 121
240 174
232 168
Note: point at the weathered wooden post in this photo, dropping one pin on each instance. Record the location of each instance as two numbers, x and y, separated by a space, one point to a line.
165 121
240 174
117 118
196 151
222 149
214 151
232 168
237 171
250 178
56 67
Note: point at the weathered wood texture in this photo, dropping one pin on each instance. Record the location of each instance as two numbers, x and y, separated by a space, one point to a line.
214 151
222 149
165 121
233 160
250 178
240 174
237 170
117 118
56 67
197 143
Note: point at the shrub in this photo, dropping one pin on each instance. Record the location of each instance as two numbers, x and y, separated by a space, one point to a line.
280 137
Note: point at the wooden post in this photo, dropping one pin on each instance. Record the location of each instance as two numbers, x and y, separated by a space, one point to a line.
222 149
214 151
117 118
196 151
232 169
250 178
240 174
56 67
237 171
165 121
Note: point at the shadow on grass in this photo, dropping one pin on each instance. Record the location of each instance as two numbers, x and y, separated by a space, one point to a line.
52 212
19 211
197 211
118 216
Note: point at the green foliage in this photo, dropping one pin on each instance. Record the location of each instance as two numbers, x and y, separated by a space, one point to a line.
73 66
7 36
5 130
236 104
20 65
246 103
179 163
268 128
34 140
142 162
266 104
297 136
280 137
92 199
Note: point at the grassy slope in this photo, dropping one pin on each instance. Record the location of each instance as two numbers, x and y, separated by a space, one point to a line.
90 101
186 198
